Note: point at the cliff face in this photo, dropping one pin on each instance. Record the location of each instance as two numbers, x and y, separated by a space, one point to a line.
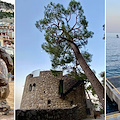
6 6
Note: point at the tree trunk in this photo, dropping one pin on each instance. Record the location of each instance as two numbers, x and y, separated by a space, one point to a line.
99 89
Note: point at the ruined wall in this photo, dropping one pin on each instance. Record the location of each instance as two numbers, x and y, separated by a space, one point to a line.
45 95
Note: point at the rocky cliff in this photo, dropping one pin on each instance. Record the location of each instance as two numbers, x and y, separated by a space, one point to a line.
5 5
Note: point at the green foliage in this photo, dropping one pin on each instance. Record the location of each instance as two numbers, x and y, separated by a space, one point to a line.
77 74
61 87
12 42
56 23
59 32
104 33
55 73
90 88
102 75
87 56
6 14
95 105
101 111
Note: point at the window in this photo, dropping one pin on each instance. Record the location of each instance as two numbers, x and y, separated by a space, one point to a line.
30 87
61 87
71 102
88 111
34 87
49 102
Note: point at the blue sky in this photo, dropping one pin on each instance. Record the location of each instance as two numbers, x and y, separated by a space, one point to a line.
29 55
112 16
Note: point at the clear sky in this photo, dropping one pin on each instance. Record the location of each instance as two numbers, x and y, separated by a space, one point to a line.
29 55
113 16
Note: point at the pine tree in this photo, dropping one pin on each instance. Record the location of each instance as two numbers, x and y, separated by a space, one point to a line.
65 39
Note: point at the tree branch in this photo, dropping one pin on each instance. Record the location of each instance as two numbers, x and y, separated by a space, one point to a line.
69 18
74 24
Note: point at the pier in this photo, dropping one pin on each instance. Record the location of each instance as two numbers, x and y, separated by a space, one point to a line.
113 89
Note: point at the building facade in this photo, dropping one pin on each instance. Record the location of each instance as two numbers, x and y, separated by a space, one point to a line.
7 38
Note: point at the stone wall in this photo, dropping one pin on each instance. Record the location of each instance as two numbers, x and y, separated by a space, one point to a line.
45 94
47 90
49 114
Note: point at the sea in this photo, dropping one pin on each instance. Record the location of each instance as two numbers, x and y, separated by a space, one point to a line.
112 54
112 64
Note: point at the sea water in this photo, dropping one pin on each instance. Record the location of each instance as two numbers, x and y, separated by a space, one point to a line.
112 64
112 54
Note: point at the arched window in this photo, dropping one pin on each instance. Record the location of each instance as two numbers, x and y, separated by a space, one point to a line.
34 87
30 87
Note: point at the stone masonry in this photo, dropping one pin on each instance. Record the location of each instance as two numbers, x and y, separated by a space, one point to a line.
47 114
42 92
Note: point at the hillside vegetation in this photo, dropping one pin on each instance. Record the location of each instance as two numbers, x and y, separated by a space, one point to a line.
6 6
6 15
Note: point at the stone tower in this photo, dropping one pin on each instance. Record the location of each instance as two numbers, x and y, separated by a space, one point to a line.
43 90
